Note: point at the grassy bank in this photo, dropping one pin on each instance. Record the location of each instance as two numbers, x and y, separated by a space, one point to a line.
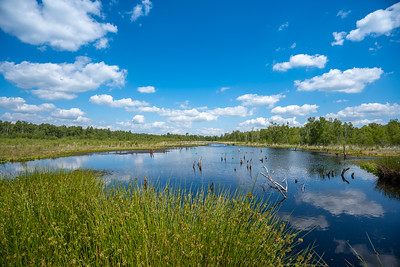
68 218
351 150
386 168
24 149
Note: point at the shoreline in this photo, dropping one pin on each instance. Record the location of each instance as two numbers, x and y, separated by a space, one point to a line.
23 150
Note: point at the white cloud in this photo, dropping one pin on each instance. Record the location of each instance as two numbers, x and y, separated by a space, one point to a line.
302 60
238 111
53 81
343 14
341 101
350 202
283 26
339 38
295 110
61 24
367 111
293 46
261 122
147 89
158 127
360 123
184 117
18 104
184 105
260 100
101 43
138 119
224 89
376 23
210 131
141 10
38 119
349 81
73 113
107 100
144 109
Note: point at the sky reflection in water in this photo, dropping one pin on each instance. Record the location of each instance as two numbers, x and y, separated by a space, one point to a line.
335 211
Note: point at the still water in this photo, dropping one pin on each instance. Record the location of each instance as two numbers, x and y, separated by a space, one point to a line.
339 211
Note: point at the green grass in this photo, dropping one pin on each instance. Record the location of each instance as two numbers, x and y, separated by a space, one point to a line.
25 149
387 168
69 218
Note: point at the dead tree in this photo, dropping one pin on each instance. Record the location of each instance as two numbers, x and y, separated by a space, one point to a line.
278 186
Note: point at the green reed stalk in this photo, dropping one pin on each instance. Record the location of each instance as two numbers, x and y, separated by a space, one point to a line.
70 218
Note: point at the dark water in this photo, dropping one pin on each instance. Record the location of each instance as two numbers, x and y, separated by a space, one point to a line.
340 211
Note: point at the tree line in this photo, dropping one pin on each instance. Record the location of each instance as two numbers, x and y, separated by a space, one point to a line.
23 129
317 131
322 131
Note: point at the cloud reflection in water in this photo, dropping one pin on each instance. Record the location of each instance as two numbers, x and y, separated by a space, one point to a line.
306 223
350 202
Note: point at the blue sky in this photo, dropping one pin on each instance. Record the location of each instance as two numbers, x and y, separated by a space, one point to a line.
203 67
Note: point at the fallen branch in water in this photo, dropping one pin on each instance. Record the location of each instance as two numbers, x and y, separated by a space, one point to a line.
278 185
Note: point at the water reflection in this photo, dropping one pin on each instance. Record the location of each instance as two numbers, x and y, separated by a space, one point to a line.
350 202
306 223
315 200
368 255
388 188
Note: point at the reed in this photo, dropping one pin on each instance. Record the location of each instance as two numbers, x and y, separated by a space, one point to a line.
71 218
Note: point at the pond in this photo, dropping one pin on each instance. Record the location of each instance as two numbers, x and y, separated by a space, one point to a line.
339 210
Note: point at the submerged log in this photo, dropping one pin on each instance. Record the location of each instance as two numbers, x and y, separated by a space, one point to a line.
344 170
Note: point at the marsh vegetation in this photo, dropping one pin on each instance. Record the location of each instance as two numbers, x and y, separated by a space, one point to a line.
71 218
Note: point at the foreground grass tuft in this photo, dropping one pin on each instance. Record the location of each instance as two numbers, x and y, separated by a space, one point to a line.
69 218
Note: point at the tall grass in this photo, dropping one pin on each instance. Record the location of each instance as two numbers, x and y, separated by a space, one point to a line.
69 218
387 168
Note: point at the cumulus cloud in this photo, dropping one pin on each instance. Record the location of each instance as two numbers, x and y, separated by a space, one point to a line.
377 23
107 100
210 131
260 100
18 104
138 119
367 111
147 89
349 81
339 38
38 119
141 10
238 111
343 14
350 202
53 81
158 127
261 122
360 123
185 117
283 26
295 110
61 24
73 113
302 60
